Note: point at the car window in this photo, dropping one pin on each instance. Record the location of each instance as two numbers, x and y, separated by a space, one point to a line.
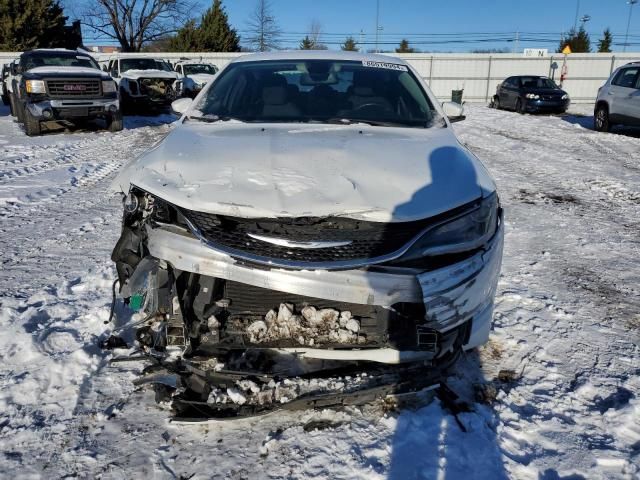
143 64
627 77
538 82
194 69
55 59
318 91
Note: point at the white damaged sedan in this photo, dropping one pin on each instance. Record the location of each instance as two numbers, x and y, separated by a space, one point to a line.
316 205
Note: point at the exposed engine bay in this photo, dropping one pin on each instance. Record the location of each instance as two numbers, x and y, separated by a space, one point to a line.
157 87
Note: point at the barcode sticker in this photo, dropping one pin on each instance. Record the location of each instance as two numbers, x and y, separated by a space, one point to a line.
386 65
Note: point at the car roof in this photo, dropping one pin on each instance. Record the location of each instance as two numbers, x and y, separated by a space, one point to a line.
53 50
318 55
193 62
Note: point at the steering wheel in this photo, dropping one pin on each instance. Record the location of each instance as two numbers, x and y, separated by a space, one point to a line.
368 105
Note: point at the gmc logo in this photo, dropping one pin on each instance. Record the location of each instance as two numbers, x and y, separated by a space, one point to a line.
75 87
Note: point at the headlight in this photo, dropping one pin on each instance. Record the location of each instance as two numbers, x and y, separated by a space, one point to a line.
108 86
131 203
565 97
532 96
35 86
463 233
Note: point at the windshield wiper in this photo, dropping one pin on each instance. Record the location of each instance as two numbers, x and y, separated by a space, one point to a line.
375 123
214 118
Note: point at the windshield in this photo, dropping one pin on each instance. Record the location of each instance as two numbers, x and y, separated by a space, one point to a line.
143 64
537 82
201 68
317 91
59 60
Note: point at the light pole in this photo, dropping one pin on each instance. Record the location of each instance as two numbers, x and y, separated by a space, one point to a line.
585 19
377 22
626 37
575 22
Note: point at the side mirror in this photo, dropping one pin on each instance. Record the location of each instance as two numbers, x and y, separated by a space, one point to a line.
454 111
114 72
104 68
181 105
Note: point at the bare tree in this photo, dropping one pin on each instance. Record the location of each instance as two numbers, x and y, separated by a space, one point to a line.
135 22
315 34
264 33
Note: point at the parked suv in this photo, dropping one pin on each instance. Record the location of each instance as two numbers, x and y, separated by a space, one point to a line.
530 93
618 101
60 85
311 206
146 84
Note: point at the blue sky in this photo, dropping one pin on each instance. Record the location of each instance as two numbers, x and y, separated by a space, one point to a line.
441 25
399 17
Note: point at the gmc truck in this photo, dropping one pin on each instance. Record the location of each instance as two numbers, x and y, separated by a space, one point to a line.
62 87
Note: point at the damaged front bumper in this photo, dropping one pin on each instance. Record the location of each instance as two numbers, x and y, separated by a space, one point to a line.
456 300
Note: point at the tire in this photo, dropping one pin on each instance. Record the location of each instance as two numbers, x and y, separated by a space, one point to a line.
496 102
19 107
520 107
601 121
31 124
115 123
12 107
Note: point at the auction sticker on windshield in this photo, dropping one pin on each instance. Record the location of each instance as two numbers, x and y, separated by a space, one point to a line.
388 66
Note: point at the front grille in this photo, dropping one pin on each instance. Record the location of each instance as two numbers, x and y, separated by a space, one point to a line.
74 88
368 239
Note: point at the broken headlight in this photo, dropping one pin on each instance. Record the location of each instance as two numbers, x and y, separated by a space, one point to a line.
463 233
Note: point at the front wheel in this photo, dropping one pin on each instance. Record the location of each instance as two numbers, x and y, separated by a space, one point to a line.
601 119
114 122
496 102
31 124
520 107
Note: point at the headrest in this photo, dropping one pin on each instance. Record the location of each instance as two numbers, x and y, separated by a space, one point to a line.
274 91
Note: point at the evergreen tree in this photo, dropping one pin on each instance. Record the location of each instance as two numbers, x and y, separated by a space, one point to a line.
28 24
215 34
579 41
306 43
404 47
604 44
349 45
186 40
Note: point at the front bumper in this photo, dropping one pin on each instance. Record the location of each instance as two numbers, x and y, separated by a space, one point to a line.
454 295
69 109
540 105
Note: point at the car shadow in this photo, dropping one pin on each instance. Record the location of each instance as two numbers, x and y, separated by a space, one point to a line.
586 121
450 438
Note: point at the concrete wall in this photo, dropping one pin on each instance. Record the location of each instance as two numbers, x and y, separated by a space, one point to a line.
477 74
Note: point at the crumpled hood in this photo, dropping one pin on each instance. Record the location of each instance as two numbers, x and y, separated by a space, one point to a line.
136 74
291 170
201 78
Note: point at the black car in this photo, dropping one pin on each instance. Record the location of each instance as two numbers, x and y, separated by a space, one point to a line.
4 75
63 86
530 93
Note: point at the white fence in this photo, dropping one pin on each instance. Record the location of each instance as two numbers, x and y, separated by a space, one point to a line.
477 74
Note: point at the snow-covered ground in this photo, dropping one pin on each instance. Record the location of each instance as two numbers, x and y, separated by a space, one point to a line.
567 325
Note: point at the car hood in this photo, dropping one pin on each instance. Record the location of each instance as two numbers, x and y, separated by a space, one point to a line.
68 71
293 170
201 77
136 74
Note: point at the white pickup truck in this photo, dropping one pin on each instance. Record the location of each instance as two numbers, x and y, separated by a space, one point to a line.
194 76
145 84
